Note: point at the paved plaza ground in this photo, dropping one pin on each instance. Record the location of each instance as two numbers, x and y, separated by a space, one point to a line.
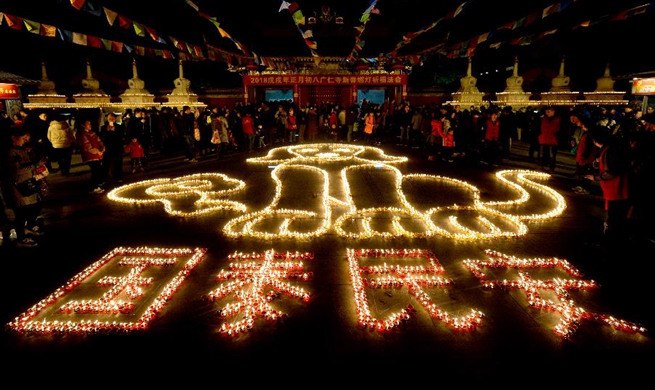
449 326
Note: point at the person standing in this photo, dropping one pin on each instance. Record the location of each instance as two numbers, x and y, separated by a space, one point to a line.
139 127
415 128
351 119
491 139
62 138
220 129
187 126
280 117
404 122
369 127
92 151
333 125
18 166
112 135
137 154
507 131
548 138
7 230
292 125
302 123
41 146
312 123
342 114
585 155
447 135
248 126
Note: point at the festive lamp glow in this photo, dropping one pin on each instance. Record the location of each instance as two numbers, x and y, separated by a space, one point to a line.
417 279
571 315
255 280
114 311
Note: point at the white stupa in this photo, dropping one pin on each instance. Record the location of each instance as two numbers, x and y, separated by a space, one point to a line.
468 92
92 93
46 93
605 93
136 94
182 95
513 95
560 93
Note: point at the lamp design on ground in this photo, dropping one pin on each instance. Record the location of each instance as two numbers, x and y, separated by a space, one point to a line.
122 306
207 191
327 173
254 280
416 270
537 292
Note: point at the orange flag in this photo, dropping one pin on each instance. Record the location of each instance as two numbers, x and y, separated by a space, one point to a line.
48 30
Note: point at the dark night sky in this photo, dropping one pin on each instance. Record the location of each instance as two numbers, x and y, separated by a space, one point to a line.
263 29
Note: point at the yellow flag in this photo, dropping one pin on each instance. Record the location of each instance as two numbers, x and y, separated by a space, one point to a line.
298 17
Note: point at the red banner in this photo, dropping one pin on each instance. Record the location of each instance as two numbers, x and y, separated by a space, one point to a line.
9 91
289 80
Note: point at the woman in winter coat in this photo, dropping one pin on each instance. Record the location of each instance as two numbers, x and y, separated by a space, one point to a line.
62 138
92 151
18 167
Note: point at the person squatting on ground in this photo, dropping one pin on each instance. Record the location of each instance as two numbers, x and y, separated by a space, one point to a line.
613 178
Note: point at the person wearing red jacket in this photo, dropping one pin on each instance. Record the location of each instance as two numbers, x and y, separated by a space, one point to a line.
585 155
613 178
549 129
137 154
491 139
248 126
92 150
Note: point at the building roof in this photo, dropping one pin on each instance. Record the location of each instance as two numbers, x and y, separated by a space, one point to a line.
10 78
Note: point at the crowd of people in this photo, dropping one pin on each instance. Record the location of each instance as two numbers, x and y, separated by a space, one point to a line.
611 145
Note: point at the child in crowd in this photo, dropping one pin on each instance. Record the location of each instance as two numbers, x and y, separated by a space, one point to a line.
137 154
